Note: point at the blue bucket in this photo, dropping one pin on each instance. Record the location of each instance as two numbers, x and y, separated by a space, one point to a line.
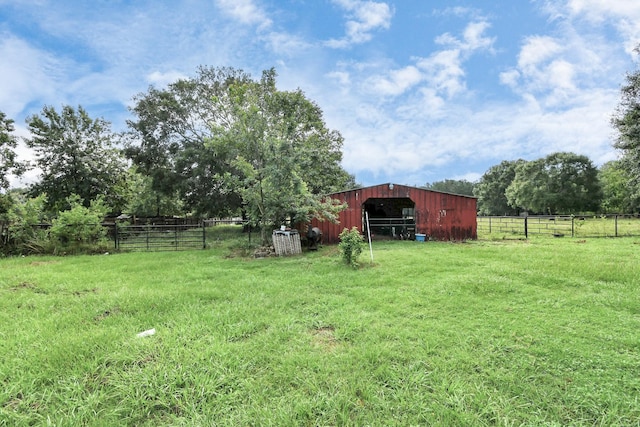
420 237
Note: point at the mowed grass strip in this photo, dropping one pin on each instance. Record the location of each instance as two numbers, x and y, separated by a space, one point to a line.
538 332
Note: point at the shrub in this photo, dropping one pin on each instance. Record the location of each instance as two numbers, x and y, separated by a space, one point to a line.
351 245
25 234
79 229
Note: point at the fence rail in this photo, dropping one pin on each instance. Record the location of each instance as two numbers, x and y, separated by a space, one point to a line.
159 237
560 225
393 226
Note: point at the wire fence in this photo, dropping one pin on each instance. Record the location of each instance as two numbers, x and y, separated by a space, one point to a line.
559 226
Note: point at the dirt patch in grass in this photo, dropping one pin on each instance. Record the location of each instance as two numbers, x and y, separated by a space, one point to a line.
39 263
18 401
26 286
85 291
324 337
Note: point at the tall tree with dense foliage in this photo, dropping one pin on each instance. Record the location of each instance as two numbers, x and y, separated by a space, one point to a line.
284 153
492 187
455 186
626 121
560 183
618 196
168 141
76 155
203 139
8 158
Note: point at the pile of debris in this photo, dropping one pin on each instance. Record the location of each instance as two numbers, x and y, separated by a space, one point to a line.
264 252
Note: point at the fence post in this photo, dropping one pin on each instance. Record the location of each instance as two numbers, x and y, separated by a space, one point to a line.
526 227
204 237
115 236
175 237
489 225
573 218
616 225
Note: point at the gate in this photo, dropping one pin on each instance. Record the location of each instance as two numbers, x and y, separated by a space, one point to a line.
159 237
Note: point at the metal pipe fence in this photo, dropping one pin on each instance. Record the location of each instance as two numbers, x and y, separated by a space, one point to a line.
394 227
158 237
615 225
125 237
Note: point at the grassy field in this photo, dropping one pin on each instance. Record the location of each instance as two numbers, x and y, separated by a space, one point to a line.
538 332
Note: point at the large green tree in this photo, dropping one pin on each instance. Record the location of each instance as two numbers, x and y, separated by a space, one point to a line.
8 158
203 138
492 187
455 186
560 183
284 153
618 196
168 141
76 156
626 121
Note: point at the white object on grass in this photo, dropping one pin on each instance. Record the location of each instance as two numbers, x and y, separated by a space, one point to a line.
146 333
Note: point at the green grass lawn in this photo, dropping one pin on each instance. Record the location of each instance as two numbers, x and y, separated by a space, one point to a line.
538 332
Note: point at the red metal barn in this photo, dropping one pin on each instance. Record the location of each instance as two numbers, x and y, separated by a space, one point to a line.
399 211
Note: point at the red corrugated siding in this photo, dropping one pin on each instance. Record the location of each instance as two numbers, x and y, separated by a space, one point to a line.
441 216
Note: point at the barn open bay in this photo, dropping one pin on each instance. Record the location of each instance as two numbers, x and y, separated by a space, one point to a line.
480 333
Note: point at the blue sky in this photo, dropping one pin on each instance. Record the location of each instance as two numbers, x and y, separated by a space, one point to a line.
421 90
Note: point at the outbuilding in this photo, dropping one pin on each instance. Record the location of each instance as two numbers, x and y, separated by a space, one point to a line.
400 212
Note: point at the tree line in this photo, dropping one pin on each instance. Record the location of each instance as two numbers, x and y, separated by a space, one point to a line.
560 183
223 143
218 144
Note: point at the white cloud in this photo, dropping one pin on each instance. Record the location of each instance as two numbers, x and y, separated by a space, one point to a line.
364 17
160 79
27 76
283 43
342 77
623 15
397 82
442 71
246 12
474 38
537 50
554 71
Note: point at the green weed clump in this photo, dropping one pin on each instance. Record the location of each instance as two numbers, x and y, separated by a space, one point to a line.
79 229
351 245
